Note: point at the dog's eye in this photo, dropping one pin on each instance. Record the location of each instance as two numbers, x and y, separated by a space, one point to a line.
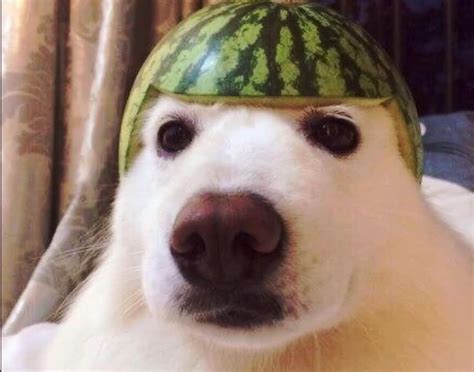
174 136
337 135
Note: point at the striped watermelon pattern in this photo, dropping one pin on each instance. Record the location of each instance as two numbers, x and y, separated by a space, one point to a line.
251 50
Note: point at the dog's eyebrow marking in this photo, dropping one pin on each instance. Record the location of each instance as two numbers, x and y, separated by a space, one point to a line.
315 113
190 118
339 112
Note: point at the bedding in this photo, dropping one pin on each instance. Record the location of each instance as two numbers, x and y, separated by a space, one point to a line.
448 181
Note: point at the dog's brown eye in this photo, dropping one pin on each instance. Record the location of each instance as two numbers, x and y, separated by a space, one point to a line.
174 136
336 135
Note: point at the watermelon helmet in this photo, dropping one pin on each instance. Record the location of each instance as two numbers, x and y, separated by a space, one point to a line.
277 54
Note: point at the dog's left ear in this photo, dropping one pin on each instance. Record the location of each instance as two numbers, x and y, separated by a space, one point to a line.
403 137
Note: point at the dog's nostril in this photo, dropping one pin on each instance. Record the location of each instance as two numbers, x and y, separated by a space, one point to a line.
246 243
244 240
192 247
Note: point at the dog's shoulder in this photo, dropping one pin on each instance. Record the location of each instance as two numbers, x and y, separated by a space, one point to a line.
24 350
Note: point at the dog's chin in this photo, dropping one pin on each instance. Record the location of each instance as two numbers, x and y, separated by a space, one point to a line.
250 320
240 331
239 319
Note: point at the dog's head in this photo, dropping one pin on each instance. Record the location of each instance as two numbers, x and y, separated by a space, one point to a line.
254 226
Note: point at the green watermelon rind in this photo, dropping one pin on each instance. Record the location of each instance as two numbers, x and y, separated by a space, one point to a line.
341 58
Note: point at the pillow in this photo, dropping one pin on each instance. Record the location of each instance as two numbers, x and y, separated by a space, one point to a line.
448 142
448 181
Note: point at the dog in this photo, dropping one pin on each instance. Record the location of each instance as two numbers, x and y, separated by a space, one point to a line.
253 238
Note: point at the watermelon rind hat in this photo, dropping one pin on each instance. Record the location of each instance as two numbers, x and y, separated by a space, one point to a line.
273 54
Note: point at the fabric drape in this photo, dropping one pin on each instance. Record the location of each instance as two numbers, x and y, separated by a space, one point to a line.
67 69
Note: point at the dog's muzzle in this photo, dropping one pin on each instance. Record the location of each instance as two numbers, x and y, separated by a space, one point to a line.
226 247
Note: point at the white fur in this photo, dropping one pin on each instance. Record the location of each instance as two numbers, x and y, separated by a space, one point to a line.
372 280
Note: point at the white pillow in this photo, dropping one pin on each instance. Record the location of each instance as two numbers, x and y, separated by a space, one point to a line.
454 204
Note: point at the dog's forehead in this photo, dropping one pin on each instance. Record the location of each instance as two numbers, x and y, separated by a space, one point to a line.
166 105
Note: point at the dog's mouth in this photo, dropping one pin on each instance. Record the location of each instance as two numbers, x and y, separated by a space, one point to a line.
237 309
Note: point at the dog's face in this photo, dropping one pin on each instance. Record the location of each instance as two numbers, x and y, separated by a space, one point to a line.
251 227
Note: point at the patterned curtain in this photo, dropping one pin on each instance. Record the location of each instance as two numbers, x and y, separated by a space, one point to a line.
67 66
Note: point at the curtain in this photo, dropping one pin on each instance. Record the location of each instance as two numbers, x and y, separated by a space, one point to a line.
67 67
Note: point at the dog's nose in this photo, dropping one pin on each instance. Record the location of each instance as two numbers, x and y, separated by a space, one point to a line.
225 240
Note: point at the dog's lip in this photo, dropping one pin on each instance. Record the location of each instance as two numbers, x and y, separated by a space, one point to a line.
241 308
235 317
203 315
238 309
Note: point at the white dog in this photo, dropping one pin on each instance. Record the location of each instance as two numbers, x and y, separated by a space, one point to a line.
260 239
